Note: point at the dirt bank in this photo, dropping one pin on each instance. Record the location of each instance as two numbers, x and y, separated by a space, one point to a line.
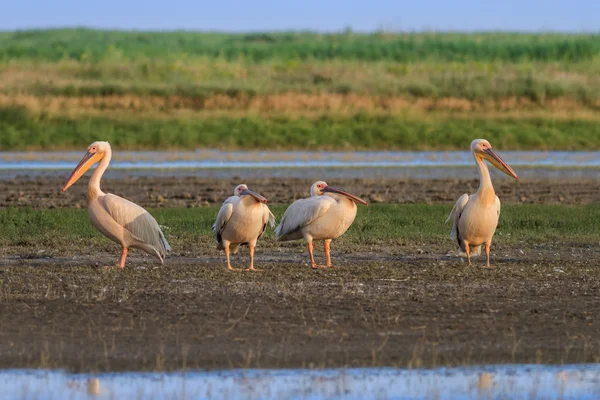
196 192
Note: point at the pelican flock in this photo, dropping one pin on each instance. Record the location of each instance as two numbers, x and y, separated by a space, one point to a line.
118 219
475 218
242 219
326 215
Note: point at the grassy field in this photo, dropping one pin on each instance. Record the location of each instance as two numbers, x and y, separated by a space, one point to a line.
298 90
376 225
82 44
22 129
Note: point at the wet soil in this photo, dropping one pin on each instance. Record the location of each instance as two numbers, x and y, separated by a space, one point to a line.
196 192
381 307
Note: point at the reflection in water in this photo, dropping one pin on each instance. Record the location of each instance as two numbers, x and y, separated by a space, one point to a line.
93 386
489 382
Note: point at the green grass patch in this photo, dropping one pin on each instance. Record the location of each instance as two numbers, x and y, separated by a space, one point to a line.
24 130
378 224
88 44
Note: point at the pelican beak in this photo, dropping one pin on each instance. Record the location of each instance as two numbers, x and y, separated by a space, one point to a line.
86 162
257 197
348 195
497 162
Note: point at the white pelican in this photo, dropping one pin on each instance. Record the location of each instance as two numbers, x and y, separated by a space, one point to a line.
118 219
326 215
475 217
242 219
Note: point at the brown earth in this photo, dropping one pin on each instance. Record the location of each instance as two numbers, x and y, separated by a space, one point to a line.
195 192
296 104
381 308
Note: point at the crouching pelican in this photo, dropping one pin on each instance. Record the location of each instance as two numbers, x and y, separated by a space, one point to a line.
118 219
475 217
242 219
326 215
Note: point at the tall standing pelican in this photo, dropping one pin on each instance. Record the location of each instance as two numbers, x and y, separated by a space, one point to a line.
242 219
118 219
326 215
475 217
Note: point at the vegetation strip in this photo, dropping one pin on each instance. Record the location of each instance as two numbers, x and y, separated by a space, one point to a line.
378 224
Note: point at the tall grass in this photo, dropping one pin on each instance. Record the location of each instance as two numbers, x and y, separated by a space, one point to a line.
87 44
24 130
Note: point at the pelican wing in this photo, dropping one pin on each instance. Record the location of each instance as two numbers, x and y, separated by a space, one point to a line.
223 216
498 205
301 213
138 222
268 217
456 213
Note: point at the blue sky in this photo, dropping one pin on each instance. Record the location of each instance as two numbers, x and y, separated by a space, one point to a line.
323 15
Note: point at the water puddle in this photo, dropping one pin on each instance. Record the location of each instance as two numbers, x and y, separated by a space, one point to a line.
489 382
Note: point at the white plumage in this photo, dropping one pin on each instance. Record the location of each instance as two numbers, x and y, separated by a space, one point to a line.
118 219
242 220
326 215
138 222
475 218
301 213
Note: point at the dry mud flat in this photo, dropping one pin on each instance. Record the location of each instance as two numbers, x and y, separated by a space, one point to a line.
195 192
382 307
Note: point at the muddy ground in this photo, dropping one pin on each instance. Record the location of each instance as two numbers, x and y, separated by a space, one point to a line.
381 307
195 192
401 306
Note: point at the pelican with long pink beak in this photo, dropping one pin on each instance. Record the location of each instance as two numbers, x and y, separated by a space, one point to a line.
326 215
475 217
118 219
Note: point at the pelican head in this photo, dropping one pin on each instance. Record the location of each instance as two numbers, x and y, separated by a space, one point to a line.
95 152
481 148
242 190
319 188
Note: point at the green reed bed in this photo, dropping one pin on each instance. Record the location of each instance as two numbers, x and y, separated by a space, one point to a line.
81 44
24 130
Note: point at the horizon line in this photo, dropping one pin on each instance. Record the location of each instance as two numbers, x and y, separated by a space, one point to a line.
347 30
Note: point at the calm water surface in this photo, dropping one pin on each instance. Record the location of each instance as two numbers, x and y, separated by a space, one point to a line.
219 164
489 382
295 159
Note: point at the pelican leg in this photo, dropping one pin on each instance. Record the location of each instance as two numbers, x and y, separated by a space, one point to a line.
226 246
468 251
123 257
487 256
327 247
251 251
314 265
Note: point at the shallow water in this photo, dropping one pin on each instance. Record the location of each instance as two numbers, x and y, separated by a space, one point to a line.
203 159
488 382
301 164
